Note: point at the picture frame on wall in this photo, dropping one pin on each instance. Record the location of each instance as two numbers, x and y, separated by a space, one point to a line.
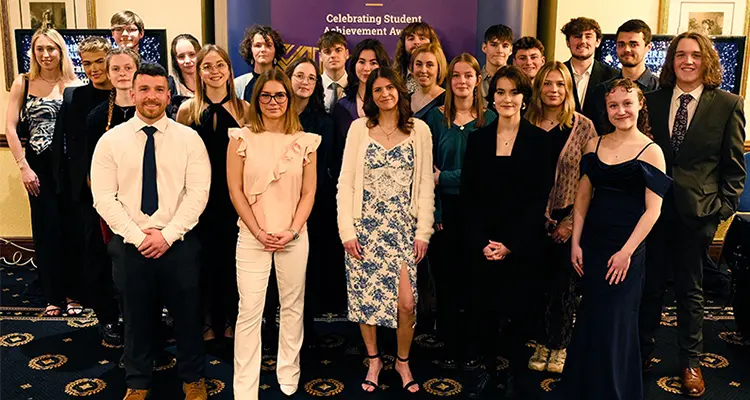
34 14
710 17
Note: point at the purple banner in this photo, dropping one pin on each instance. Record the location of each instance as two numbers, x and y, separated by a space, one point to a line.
301 22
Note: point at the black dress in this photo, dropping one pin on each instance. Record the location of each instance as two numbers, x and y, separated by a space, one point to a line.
604 359
217 228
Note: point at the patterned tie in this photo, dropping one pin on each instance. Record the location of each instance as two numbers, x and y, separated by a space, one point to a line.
149 194
680 122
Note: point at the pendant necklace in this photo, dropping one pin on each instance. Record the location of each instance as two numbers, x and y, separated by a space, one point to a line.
388 135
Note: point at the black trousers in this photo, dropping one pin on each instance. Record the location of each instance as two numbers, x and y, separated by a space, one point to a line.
101 295
218 241
452 284
558 280
142 283
46 229
674 249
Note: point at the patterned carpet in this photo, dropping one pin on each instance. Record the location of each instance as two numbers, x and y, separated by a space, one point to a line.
64 358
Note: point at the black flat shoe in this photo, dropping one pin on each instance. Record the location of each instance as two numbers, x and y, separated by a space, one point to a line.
480 385
448 364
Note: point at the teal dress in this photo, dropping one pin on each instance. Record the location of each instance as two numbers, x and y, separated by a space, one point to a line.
386 233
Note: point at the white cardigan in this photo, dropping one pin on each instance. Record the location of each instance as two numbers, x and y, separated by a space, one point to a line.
351 180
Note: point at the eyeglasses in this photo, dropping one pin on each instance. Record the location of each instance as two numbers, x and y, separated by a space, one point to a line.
125 29
219 66
300 77
280 98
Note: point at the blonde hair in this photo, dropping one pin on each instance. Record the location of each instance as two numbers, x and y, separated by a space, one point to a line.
535 113
198 103
478 103
66 65
255 117
437 51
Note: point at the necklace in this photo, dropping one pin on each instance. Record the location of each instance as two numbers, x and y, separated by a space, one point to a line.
506 141
51 82
468 113
388 135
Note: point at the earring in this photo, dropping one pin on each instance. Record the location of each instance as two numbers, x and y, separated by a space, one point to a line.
523 106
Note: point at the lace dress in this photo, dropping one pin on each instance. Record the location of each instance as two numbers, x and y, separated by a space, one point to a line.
386 233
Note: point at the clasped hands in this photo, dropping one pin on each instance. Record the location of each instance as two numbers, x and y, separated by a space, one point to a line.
495 251
274 241
154 245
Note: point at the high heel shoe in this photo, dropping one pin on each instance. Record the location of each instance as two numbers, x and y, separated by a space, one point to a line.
410 383
368 382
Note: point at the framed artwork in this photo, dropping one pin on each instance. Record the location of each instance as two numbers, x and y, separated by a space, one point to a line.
35 14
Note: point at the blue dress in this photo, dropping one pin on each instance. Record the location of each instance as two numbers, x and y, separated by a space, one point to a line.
386 233
604 360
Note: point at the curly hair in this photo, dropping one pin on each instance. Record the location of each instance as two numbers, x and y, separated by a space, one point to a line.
269 34
710 65
577 26
402 58
316 103
642 124
405 123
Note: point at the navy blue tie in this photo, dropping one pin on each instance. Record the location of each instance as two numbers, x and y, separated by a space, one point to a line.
149 194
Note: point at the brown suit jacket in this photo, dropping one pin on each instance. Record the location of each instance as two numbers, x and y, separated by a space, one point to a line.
709 170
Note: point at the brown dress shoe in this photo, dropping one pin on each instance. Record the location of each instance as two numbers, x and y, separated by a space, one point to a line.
136 394
692 382
195 390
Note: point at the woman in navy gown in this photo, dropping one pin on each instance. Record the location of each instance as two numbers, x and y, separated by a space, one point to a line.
618 201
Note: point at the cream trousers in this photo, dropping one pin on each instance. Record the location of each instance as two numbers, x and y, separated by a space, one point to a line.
253 269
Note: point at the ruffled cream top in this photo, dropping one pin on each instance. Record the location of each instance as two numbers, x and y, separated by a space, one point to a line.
272 175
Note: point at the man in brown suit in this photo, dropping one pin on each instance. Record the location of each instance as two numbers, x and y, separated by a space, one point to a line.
701 130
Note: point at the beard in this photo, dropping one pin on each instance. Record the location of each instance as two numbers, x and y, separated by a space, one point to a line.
151 113
582 57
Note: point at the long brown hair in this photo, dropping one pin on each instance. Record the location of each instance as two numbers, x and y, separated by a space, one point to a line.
478 104
535 112
405 123
642 124
402 58
113 92
255 117
198 103
710 65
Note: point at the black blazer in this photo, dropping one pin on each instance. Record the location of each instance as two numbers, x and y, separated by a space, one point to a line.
69 144
507 205
599 74
709 170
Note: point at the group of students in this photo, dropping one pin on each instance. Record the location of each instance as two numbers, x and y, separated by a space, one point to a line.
517 181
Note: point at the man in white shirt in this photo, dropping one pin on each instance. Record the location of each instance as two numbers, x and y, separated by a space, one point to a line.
150 178
701 130
333 56
582 36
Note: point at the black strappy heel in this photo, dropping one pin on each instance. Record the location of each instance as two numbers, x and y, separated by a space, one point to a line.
411 383
370 383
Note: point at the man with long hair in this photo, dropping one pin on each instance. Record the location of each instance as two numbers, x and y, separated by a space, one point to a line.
701 130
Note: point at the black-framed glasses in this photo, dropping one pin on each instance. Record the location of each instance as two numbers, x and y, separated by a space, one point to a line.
125 29
280 98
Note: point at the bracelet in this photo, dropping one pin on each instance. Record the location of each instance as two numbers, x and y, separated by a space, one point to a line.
259 232
294 233
20 160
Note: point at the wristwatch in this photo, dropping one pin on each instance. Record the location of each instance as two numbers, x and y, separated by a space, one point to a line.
294 233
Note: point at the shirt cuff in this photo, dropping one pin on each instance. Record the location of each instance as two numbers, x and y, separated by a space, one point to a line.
170 235
136 238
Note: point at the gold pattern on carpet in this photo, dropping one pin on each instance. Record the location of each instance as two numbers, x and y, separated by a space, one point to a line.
442 387
324 387
47 362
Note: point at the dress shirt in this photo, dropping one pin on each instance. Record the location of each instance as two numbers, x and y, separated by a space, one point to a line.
486 78
675 104
582 81
241 82
183 176
328 92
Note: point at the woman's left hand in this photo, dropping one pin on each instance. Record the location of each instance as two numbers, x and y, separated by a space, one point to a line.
420 250
618 265
436 173
283 237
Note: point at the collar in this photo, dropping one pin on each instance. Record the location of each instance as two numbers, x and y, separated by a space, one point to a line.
677 92
587 72
484 72
327 81
644 81
138 124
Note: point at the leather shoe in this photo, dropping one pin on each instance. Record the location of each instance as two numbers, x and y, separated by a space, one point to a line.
111 333
692 382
